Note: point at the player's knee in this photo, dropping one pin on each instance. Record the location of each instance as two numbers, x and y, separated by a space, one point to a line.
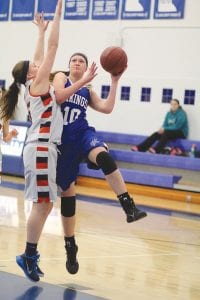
68 206
106 162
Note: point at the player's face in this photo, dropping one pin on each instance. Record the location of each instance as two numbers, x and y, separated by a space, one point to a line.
77 64
33 68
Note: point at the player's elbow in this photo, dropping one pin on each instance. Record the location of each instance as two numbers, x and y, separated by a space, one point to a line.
108 110
59 97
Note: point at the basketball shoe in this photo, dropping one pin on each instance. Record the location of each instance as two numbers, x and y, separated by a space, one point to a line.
72 264
132 212
29 265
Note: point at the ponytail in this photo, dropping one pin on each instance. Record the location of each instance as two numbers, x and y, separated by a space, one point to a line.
9 101
10 98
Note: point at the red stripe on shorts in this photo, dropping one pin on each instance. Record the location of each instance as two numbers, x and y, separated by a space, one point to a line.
44 129
42 183
43 199
42 148
41 165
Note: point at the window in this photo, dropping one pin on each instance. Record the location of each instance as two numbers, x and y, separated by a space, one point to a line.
189 97
146 95
167 95
125 93
104 91
2 83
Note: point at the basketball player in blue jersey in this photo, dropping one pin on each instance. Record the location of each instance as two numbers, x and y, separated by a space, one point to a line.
40 152
80 141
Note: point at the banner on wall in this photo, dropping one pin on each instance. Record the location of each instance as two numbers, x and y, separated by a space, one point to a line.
48 7
4 10
136 9
76 9
169 9
22 10
105 10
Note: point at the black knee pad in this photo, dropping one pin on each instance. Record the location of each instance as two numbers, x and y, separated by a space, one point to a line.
106 162
68 206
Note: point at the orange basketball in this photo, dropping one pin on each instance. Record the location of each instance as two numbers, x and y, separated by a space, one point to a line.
114 60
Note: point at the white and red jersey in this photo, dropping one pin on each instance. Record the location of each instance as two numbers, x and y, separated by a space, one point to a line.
46 117
40 152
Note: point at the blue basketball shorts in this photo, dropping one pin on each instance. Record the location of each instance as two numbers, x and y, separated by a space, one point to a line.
72 153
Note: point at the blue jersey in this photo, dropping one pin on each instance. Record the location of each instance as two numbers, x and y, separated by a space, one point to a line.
74 113
78 138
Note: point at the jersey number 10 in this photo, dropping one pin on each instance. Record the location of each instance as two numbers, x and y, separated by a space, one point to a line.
71 114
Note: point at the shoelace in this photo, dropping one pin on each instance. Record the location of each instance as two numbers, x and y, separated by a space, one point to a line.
130 206
34 261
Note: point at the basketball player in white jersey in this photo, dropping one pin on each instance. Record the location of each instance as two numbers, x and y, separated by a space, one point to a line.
40 152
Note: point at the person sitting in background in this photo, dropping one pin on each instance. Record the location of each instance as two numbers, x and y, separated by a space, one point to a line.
175 126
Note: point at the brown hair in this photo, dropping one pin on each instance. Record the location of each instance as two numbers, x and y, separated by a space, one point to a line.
176 100
52 75
10 97
80 54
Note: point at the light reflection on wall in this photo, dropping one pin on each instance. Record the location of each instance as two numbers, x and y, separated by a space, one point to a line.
9 211
53 223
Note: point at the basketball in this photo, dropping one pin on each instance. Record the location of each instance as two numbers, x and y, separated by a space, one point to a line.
114 60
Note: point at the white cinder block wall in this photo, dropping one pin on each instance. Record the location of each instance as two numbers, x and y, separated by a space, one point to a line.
161 53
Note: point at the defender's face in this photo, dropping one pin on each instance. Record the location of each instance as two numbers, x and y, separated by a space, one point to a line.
32 71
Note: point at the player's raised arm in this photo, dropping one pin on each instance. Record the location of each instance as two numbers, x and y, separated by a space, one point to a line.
42 27
41 82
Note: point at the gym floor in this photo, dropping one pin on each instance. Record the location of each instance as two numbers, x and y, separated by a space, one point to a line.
157 257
